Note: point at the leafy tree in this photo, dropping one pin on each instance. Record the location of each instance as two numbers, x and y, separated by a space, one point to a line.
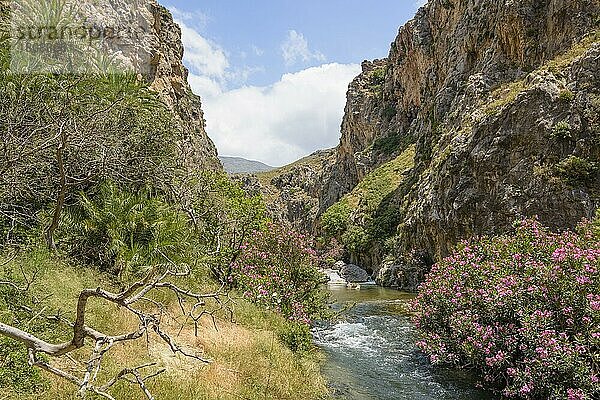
63 134
222 214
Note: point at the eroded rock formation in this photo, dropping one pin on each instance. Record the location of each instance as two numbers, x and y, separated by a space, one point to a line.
501 99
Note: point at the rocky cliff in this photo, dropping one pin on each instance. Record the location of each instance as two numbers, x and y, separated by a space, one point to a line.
142 36
501 100
169 77
292 193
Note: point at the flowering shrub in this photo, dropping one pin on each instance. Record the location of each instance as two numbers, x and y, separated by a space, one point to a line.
523 310
277 269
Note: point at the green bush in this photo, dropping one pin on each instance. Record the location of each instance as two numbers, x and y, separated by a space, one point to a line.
356 239
566 95
576 170
297 337
124 232
392 143
562 130
336 219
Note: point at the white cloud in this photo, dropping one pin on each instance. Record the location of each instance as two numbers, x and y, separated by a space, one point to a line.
280 123
295 49
196 18
420 3
203 56
276 124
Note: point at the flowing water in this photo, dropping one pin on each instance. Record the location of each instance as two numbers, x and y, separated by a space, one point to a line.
371 352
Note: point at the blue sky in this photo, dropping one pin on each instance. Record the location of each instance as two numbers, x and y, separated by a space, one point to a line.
273 74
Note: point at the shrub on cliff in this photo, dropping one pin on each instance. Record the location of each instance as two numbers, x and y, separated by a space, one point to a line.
523 310
277 269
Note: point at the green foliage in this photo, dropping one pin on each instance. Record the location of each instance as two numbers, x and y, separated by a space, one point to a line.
297 337
105 126
336 219
566 95
377 80
124 232
576 170
389 112
368 214
356 239
392 143
15 372
562 130
377 76
223 216
504 95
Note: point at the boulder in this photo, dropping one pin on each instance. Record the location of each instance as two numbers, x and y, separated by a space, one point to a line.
403 274
338 265
354 274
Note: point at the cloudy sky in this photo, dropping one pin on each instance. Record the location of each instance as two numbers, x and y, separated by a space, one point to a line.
273 74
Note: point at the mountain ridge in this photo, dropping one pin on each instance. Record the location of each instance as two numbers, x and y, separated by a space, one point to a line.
240 165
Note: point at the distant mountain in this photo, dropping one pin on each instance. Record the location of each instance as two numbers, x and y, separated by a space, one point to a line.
238 165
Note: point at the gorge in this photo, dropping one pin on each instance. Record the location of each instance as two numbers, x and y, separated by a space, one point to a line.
457 219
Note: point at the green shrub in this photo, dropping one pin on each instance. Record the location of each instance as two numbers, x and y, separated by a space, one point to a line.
562 130
124 232
336 219
566 95
297 337
377 76
356 239
389 112
576 170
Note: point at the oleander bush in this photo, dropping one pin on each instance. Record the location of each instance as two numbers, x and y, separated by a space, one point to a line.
277 268
523 310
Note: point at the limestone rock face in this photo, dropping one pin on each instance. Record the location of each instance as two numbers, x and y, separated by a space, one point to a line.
150 43
501 99
442 63
169 77
292 193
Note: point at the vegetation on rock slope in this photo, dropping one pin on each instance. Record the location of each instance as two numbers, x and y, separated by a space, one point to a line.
94 194
364 219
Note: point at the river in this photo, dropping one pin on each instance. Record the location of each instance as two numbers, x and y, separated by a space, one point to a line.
371 352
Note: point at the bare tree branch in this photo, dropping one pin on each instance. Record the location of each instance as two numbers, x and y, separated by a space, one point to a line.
137 293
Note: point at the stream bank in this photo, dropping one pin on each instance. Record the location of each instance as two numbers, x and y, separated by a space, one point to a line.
371 352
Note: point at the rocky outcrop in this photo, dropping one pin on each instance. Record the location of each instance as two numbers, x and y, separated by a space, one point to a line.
149 43
354 274
501 100
169 77
292 193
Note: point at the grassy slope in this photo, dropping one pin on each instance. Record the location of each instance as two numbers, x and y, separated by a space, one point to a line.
249 360
378 184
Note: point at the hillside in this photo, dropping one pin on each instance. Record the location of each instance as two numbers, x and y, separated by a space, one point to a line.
239 165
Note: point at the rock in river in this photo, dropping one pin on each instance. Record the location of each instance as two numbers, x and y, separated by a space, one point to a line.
354 273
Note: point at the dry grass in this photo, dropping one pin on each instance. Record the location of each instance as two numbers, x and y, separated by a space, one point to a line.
249 362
